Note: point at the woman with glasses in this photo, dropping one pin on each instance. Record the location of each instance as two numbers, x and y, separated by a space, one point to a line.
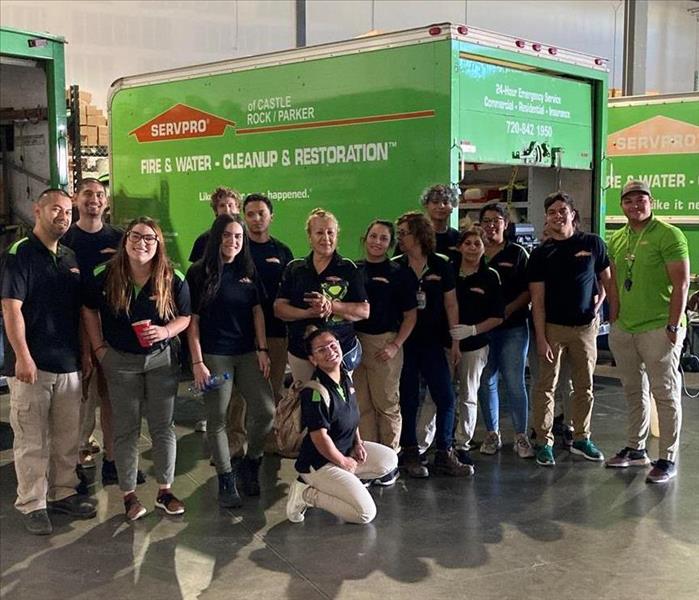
424 350
509 342
135 306
227 335
391 288
324 290
333 456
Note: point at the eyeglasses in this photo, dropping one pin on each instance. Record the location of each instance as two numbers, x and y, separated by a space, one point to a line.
327 349
134 237
495 221
402 233
563 212
441 201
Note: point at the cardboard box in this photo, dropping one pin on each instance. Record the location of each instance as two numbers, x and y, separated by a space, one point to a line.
85 97
97 120
94 110
103 135
91 135
83 113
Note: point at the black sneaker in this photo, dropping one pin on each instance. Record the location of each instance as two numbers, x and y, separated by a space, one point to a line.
388 479
75 506
464 456
37 522
662 471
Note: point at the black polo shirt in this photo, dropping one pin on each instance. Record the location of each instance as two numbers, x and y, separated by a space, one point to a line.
391 287
569 269
447 242
270 260
480 297
116 328
511 265
199 247
432 327
340 419
341 280
92 249
48 285
226 324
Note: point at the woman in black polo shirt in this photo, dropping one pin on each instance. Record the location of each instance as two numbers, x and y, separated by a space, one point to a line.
333 456
227 335
509 342
324 290
423 351
481 307
391 287
135 305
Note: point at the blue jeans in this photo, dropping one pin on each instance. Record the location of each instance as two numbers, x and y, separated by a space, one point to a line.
507 357
431 363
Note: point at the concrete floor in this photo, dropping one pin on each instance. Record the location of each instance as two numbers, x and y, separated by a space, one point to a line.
513 531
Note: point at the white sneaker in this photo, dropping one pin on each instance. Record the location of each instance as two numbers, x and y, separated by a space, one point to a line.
295 505
200 426
523 447
492 443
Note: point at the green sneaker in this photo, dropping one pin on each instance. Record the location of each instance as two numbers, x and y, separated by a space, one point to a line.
544 456
587 449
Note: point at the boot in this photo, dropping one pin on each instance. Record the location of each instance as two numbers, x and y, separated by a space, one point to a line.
249 476
228 496
412 464
447 463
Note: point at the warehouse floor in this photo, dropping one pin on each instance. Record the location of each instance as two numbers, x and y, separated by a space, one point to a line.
514 530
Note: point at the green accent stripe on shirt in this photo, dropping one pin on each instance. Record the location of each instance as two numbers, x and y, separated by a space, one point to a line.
17 244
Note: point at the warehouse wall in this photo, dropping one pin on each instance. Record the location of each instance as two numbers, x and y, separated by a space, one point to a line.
110 39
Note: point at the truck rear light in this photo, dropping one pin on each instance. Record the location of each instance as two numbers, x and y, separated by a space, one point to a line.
435 30
553 51
536 47
519 43
462 29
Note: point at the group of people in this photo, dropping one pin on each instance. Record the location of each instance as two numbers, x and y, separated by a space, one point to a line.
94 313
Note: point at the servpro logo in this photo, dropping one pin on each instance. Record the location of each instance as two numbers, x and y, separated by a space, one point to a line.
657 135
181 122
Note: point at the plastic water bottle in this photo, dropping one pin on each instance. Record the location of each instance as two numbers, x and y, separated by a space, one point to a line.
214 382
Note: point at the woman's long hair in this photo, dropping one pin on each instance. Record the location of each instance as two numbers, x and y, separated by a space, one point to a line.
119 283
213 263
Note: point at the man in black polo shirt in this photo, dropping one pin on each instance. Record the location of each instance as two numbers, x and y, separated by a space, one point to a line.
271 257
224 201
94 242
41 307
565 276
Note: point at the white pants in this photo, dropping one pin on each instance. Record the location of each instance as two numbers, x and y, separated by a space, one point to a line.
342 493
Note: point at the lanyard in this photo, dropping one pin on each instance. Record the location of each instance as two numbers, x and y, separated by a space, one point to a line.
631 256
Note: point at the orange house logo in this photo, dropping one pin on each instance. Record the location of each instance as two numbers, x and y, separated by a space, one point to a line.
181 122
659 135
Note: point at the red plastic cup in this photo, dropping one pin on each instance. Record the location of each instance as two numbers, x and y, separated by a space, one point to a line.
139 328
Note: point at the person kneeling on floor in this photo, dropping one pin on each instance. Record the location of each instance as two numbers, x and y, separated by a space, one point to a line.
333 456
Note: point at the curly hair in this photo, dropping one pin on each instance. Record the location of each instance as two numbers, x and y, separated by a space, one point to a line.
421 228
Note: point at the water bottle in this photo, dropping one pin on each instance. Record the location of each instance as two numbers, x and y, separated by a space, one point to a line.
214 382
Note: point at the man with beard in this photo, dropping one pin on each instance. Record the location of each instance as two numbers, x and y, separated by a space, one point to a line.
41 306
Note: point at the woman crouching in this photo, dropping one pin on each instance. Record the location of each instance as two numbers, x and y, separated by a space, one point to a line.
333 456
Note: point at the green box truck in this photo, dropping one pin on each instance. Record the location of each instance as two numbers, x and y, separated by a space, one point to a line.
656 139
361 127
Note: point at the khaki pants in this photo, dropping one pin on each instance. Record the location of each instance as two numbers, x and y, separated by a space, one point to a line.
342 493
644 357
94 391
377 385
45 418
237 410
580 344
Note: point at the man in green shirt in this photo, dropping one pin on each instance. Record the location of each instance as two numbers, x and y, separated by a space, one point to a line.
647 295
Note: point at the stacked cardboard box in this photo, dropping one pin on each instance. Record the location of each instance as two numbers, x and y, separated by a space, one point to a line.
93 122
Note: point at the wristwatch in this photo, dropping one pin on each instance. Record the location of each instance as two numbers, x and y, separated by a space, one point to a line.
672 328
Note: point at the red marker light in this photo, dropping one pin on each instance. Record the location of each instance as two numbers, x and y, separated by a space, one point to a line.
536 47
553 51
462 29
519 43
435 30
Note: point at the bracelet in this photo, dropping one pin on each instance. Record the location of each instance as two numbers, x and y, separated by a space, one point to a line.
199 362
263 350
